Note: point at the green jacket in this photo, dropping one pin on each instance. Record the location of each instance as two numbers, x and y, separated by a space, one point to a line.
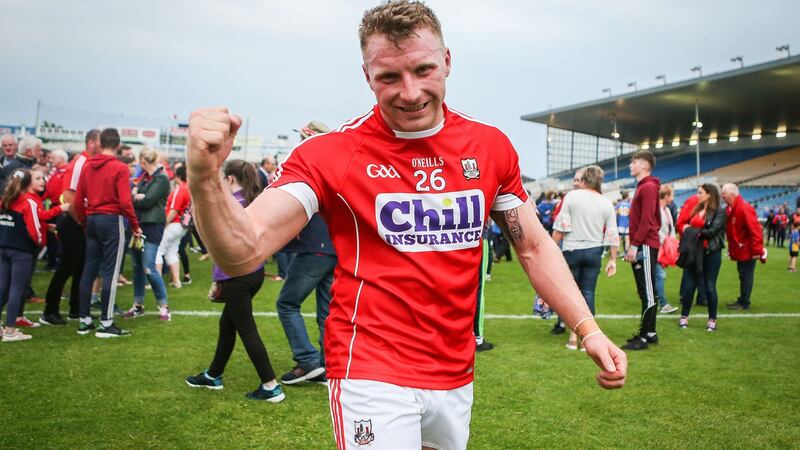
155 188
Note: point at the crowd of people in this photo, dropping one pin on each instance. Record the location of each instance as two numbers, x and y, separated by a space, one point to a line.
586 225
405 208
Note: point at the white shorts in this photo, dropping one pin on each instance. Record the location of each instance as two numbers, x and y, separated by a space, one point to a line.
374 415
168 249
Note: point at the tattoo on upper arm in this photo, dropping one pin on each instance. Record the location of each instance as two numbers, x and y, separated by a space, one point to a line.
508 221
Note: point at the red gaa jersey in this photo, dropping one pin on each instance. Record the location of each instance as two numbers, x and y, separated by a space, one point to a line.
405 212
178 200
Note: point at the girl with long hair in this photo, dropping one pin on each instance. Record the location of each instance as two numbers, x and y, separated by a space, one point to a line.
23 231
237 316
709 217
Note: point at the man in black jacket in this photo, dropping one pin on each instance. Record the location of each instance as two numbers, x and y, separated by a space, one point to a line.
30 149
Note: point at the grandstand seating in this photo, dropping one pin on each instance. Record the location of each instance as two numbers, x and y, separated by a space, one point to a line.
682 165
756 168
783 178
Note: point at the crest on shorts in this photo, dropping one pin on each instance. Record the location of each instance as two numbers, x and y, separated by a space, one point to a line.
363 432
471 171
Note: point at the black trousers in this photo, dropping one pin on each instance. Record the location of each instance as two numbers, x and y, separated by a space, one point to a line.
644 271
237 316
185 240
73 251
747 270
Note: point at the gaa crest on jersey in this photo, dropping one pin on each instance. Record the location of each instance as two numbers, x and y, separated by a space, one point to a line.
471 171
363 432
431 222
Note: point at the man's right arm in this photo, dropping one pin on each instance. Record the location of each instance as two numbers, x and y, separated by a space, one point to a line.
239 239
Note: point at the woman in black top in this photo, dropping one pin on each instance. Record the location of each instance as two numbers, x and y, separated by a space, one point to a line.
709 217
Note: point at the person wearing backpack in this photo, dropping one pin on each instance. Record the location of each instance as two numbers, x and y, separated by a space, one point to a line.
178 203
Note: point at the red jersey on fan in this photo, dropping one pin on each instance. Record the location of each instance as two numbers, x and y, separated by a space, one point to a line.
178 200
405 211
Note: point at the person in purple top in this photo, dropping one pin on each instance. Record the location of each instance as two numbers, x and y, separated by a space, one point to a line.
237 294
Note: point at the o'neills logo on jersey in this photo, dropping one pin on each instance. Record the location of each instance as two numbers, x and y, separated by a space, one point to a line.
431 222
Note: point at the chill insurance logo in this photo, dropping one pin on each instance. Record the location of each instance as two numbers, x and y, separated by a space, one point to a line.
420 222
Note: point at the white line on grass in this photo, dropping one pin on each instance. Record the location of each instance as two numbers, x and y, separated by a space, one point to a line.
492 316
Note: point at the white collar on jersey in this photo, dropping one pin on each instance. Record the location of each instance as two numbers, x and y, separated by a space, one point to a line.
419 134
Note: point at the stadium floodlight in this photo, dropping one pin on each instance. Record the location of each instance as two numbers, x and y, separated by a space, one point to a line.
755 137
712 140
634 85
615 135
607 91
780 134
733 138
738 59
662 78
645 146
693 142
697 124
676 142
660 144
784 48
698 69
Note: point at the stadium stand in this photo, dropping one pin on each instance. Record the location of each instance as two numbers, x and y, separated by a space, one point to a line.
783 178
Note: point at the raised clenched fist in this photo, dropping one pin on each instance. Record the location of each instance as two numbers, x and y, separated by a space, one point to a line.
211 135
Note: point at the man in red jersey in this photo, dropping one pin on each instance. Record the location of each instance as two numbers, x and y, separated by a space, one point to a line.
73 240
405 190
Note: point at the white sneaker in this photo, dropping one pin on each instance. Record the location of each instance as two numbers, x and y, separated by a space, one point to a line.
165 314
176 284
16 336
668 309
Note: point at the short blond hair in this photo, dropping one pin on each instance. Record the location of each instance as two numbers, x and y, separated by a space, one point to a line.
149 155
398 21
665 191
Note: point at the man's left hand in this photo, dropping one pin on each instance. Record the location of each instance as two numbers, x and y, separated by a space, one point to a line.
612 361
630 255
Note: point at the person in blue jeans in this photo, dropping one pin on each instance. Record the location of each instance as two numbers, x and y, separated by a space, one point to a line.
149 200
665 196
310 270
586 224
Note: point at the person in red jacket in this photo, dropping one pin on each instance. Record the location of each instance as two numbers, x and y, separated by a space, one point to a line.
683 222
745 242
23 231
781 221
645 221
101 209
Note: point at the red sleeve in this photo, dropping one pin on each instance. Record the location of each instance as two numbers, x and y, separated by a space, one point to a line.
308 175
79 205
49 214
184 200
511 193
31 217
124 195
686 213
649 201
754 228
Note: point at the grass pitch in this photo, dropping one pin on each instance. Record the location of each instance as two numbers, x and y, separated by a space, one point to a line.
736 388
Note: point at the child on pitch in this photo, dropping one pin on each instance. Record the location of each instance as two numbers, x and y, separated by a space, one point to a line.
794 246
23 232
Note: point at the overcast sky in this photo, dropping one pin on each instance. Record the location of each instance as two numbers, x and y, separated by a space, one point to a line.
283 63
